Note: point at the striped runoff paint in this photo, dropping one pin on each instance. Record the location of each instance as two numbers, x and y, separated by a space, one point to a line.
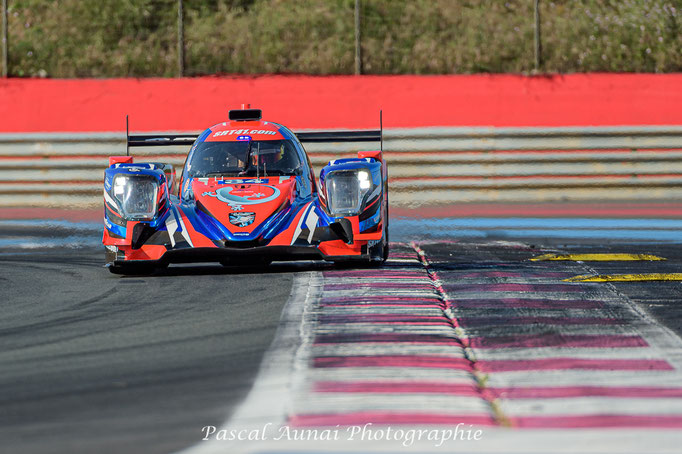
430 340
470 335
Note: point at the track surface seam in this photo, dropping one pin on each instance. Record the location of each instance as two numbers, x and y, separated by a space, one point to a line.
448 310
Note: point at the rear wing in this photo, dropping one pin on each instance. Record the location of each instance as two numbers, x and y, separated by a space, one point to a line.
156 140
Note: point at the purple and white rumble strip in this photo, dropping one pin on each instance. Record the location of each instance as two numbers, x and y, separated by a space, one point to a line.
537 352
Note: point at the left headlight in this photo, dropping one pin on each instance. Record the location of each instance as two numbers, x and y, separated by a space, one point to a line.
346 190
136 195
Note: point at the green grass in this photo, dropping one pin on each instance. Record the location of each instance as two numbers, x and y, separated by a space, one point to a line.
114 38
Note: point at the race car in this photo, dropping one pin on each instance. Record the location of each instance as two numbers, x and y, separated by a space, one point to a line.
247 195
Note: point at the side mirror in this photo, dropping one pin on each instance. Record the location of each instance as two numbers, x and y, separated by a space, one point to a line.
170 176
169 171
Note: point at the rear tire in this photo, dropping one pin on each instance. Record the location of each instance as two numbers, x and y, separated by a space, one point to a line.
387 242
383 251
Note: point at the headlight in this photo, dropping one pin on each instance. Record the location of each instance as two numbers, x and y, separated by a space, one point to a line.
346 190
136 196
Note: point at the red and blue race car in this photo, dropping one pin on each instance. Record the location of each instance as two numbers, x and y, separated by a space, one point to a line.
247 195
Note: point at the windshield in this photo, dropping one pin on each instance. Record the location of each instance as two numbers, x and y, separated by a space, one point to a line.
244 158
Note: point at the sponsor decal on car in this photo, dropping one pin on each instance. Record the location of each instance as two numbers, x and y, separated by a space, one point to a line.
245 195
242 219
243 181
240 132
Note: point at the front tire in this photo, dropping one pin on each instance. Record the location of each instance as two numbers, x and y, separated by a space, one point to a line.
256 263
138 269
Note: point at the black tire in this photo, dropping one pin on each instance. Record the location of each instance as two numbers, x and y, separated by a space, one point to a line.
384 240
387 242
134 269
374 263
256 263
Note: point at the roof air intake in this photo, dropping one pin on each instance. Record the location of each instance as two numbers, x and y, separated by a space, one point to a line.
246 114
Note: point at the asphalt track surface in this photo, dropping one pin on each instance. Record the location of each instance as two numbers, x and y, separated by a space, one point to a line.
93 362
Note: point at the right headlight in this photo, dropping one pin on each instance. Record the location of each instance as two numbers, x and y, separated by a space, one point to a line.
136 195
346 191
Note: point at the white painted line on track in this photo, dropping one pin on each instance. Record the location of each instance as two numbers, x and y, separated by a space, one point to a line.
659 336
360 328
385 309
631 354
372 402
592 406
583 378
350 374
384 348
35 242
272 396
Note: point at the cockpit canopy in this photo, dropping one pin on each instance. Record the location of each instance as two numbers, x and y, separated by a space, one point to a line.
244 159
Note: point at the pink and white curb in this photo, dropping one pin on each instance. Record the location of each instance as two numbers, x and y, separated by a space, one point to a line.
537 364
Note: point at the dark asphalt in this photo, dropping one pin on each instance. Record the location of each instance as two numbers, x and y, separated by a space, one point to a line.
93 362
660 299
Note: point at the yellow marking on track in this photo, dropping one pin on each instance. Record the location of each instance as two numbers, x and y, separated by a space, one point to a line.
597 257
626 277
